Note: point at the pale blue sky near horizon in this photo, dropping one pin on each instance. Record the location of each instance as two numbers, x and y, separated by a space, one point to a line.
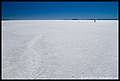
60 10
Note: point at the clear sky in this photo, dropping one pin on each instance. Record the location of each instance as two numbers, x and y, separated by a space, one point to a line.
59 10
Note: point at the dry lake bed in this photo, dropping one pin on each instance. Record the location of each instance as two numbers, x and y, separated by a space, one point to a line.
59 49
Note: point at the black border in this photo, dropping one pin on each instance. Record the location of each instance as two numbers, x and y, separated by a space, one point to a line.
56 1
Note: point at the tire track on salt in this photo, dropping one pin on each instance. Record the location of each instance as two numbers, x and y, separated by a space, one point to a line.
45 64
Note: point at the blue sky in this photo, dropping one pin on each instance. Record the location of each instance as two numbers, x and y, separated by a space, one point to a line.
59 10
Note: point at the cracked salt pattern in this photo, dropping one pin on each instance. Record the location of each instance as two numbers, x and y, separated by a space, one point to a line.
41 49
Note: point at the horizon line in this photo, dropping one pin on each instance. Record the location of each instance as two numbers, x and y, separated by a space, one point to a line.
59 19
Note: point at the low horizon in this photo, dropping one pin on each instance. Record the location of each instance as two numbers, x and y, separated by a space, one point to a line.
59 19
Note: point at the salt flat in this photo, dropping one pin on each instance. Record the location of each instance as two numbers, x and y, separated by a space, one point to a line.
59 49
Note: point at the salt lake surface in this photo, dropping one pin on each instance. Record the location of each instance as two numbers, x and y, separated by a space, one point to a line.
59 49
